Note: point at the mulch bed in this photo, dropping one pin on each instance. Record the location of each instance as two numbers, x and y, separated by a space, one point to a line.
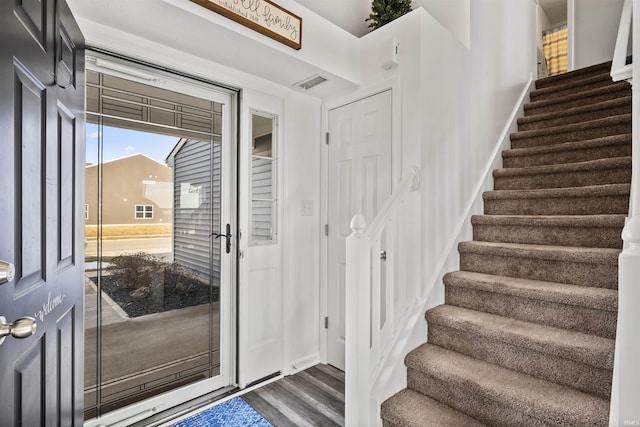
157 302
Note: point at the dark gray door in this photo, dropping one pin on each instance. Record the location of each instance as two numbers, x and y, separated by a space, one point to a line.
41 208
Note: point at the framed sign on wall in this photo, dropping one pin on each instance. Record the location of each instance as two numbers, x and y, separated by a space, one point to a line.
262 16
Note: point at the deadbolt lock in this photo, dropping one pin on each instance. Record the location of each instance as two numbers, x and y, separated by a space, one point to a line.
7 272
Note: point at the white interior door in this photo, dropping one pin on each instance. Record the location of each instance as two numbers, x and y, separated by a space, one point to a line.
359 182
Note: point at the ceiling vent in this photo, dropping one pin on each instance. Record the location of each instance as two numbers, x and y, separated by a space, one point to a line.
310 82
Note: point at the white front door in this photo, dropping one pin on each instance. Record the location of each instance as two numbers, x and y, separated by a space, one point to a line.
359 182
260 280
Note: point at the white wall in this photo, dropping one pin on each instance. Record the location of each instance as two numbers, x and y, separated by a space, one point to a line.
301 260
188 28
543 23
595 28
454 15
454 102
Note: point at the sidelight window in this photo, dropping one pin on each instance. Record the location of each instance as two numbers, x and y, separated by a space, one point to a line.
263 179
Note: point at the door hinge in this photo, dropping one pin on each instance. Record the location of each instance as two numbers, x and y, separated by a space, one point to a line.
326 139
326 229
326 322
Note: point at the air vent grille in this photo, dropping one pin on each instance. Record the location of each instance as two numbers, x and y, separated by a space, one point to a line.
310 82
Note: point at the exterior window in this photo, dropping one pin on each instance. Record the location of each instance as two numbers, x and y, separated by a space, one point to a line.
86 211
263 180
144 211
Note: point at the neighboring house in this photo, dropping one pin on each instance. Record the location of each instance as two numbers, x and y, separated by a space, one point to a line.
196 202
136 190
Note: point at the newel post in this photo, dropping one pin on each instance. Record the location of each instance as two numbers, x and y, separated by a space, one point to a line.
357 324
628 333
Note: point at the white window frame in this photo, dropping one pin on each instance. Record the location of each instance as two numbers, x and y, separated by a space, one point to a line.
273 158
144 212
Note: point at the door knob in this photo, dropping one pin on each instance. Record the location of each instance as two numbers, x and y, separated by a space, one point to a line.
22 328
7 272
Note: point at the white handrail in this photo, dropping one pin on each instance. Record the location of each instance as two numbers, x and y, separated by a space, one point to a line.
620 70
409 183
370 308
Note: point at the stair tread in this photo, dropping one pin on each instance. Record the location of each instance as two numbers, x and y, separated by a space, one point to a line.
573 127
616 87
409 408
548 252
604 67
603 105
570 192
590 221
588 165
572 84
523 393
569 146
584 296
588 349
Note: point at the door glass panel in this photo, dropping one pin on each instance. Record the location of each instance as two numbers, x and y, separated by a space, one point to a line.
153 269
263 180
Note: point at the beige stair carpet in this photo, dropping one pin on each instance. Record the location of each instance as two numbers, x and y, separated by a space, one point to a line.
527 332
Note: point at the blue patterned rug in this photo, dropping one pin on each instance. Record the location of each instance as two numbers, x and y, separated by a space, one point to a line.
232 413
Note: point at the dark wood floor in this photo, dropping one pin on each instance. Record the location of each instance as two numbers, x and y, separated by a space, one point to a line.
310 398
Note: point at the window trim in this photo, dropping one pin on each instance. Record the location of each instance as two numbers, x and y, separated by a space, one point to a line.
273 158
144 211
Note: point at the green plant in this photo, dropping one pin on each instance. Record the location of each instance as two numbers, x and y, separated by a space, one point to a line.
385 11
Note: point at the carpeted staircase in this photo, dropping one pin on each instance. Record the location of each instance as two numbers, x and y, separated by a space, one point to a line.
526 335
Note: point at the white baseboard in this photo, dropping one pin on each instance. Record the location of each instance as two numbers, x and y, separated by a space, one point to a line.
302 363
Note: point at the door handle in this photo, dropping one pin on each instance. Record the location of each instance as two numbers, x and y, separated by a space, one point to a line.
227 236
7 272
24 327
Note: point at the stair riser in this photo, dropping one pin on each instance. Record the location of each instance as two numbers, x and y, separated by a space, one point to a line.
601 237
581 178
471 401
573 156
556 92
576 118
615 204
577 135
573 273
579 102
575 318
548 367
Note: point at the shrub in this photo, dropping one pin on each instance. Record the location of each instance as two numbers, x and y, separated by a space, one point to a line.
135 272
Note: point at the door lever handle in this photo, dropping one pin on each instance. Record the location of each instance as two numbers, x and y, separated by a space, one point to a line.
226 236
24 327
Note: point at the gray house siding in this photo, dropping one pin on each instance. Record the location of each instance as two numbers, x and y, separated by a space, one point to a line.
196 211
